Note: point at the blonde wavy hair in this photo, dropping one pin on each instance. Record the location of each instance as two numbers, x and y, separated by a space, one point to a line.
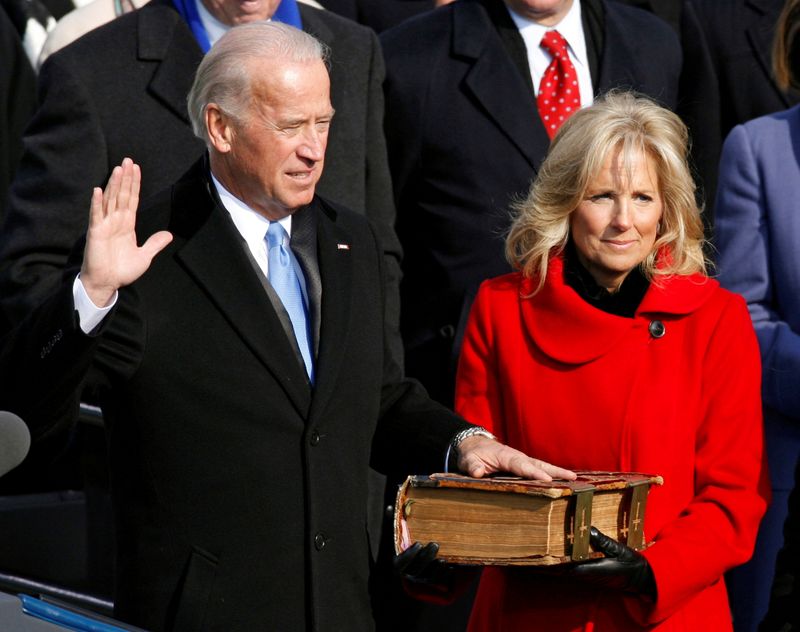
631 124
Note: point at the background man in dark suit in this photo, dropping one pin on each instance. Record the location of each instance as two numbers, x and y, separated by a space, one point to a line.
465 139
239 471
381 14
121 91
739 37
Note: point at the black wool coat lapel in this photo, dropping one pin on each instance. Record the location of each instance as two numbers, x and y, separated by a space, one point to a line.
336 271
243 301
496 84
164 38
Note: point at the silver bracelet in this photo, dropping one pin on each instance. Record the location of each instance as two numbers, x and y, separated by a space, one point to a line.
472 431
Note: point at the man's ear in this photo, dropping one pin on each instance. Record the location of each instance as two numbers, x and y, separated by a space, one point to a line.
219 128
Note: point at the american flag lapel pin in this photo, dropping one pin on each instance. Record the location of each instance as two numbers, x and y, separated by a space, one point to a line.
342 246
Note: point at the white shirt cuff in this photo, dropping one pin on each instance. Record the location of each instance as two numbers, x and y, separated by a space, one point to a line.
89 314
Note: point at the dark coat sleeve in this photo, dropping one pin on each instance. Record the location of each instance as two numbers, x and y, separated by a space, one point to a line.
43 362
413 431
17 102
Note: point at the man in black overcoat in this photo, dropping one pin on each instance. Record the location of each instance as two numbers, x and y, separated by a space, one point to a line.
240 471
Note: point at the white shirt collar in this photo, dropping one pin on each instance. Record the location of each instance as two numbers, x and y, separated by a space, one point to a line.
214 28
252 226
570 27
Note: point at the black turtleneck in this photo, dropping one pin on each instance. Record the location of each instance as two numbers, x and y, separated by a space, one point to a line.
623 302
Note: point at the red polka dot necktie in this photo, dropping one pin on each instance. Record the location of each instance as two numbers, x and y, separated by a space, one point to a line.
559 95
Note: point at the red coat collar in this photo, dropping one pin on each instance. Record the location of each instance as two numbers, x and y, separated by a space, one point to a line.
569 330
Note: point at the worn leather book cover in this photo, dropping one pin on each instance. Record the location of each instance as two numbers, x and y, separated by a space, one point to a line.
511 521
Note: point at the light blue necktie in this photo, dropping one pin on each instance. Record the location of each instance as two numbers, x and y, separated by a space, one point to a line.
284 280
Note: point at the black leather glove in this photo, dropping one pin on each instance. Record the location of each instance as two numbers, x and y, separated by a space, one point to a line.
622 569
418 566
431 579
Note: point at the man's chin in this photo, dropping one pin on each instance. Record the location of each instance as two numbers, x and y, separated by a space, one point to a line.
300 200
307 194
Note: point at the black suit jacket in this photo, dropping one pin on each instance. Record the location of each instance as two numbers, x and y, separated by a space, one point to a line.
739 37
378 14
121 91
241 494
465 140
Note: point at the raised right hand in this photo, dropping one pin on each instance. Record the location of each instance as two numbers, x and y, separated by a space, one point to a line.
112 258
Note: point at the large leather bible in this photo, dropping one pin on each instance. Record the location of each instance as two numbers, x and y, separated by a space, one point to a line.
512 521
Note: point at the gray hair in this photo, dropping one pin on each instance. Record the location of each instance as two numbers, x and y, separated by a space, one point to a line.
619 121
224 76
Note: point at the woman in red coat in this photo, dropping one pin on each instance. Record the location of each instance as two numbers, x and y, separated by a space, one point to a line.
610 349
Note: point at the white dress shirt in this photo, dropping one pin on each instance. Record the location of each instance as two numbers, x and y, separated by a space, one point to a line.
571 29
89 314
214 28
252 226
